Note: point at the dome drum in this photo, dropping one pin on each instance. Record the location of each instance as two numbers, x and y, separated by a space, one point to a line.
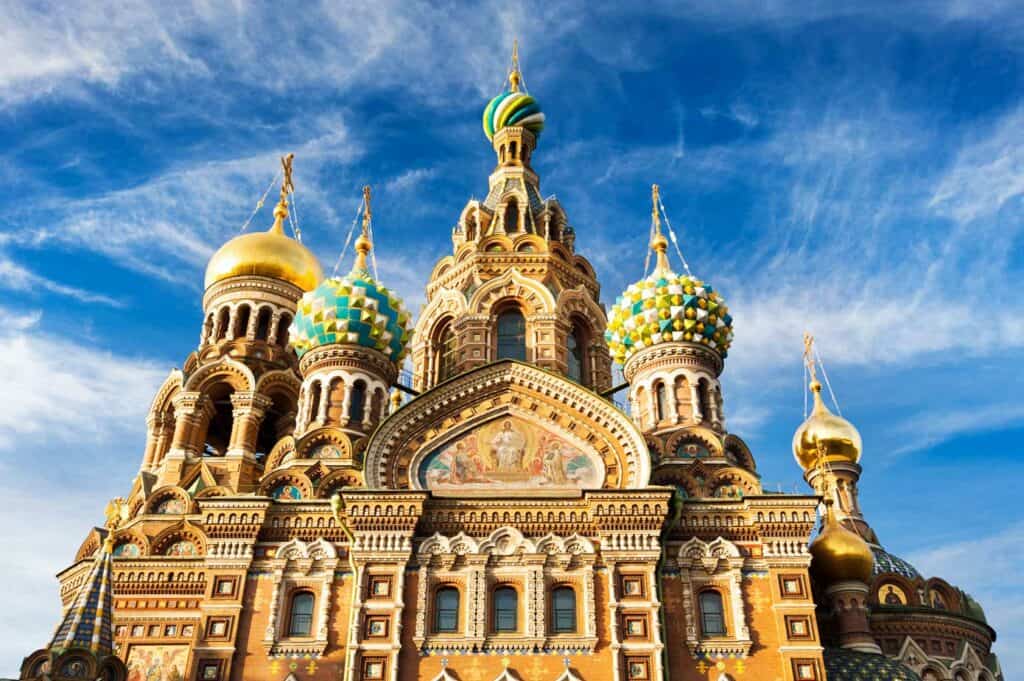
338 356
673 354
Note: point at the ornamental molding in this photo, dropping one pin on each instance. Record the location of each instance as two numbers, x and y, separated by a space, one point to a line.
348 356
246 285
673 353
484 393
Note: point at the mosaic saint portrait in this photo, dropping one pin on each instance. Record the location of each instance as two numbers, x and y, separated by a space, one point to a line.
510 452
286 492
157 663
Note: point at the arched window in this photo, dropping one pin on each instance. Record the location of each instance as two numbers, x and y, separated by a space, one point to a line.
208 329
357 402
704 404
511 335
241 321
506 610
501 152
661 402
513 149
300 621
576 354
222 323
712 614
512 216
314 401
563 610
282 330
218 429
447 346
446 610
263 324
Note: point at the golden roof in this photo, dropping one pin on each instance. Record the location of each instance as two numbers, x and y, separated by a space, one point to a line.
839 555
267 254
825 434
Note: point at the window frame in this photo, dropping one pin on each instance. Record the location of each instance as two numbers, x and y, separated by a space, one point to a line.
496 611
295 595
442 590
555 610
520 338
704 629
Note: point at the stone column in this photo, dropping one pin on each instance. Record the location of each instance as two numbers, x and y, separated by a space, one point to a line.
192 412
248 409
695 400
154 422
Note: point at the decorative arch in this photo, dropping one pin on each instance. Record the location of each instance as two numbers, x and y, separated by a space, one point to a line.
327 443
164 543
532 296
162 401
227 370
496 243
506 389
334 481
169 499
577 301
283 451
270 484
527 242
130 538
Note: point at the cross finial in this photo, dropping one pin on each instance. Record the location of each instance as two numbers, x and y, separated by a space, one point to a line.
514 76
281 210
363 243
809 358
659 244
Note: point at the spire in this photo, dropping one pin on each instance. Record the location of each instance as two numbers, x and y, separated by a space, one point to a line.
515 77
815 385
363 243
87 623
659 244
281 210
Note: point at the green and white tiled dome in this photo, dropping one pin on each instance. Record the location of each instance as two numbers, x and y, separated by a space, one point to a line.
356 310
668 307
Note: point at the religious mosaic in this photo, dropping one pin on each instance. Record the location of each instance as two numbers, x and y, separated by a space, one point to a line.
157 663
510 452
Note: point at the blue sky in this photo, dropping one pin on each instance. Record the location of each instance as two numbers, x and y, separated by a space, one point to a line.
858 173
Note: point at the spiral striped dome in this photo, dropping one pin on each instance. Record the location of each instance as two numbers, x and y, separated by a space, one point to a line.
668 307
513 108
354 310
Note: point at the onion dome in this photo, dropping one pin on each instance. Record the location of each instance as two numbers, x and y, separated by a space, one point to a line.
839 555
513 107
826 435
267 254
354 309
886 562
667 307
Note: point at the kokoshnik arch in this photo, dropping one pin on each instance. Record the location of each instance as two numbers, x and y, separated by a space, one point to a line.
294 518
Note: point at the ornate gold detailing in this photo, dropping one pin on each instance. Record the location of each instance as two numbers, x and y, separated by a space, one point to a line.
364 244
281 210
514 75
659 244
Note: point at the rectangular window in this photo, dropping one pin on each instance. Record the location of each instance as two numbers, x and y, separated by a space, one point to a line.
799 627
791 586
805 670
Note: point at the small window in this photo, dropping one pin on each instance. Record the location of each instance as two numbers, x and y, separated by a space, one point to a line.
712 614
446 353
357 402
661 400
446 610
577 355
301 621
512 335
506 610
563 609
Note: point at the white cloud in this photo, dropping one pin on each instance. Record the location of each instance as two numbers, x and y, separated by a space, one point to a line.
57 391
15 277
988 568
987 174
931 428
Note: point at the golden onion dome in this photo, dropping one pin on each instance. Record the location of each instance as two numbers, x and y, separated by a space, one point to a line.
825 434
266 254
839 555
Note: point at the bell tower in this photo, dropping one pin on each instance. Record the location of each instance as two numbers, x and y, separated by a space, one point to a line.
513 288
671 333
235 396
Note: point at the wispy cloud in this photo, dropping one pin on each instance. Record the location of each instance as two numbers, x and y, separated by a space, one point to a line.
55 388
15 277
987 568
930 428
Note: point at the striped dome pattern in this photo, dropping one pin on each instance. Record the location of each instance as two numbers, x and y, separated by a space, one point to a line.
667 307
353 310
512 108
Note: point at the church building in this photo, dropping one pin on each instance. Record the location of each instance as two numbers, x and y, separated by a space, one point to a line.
301 513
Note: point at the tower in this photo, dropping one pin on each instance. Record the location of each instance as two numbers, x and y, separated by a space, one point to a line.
671 333
236 394
350 334
513 288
